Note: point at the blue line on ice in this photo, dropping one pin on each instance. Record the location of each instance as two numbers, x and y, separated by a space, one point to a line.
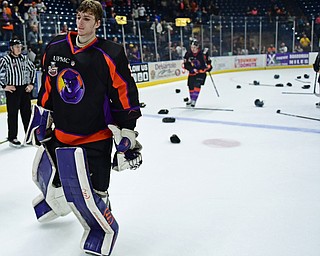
262 126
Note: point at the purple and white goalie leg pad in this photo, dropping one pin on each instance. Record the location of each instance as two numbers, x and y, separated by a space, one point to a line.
100 227
51 203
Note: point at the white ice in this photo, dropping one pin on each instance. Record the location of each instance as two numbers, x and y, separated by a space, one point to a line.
241 183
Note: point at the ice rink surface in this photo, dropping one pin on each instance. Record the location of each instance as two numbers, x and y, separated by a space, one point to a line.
241 183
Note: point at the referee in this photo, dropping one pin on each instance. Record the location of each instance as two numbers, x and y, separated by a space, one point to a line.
17 77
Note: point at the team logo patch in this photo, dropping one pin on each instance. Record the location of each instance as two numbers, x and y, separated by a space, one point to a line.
70 86
52 69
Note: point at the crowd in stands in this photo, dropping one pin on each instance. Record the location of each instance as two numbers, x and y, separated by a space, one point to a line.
156 18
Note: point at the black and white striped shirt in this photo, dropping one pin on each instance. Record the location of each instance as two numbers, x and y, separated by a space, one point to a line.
16 71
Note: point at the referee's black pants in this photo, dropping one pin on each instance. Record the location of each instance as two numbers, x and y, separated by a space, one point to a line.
18 100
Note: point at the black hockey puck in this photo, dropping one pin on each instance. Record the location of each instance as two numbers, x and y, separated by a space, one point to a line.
258 103
298 77
142 105
186 99
163 111
306 86
175 139
168 119
289 84
178 90
278 111
238 86
279 85
276 76
306 76
256 82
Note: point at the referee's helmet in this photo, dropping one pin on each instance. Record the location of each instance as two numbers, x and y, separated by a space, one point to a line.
14 41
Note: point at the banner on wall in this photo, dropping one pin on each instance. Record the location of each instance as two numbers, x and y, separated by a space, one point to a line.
246 62
288 59
166 69
140 72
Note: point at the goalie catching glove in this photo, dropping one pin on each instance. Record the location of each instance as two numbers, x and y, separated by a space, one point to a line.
128 154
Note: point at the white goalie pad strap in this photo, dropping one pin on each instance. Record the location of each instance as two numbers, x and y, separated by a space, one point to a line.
43 172
43 212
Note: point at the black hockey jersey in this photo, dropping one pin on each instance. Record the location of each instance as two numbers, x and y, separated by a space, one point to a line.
197 63
87 89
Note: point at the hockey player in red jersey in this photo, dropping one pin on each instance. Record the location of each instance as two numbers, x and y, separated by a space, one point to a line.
87 98
197 62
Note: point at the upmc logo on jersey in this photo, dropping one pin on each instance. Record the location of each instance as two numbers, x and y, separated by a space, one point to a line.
61 59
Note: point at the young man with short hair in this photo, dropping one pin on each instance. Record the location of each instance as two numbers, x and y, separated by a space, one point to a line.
88 91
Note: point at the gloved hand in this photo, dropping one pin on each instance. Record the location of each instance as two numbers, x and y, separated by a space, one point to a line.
128 154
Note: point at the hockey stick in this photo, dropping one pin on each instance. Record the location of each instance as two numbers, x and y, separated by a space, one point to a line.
3 141
305 117
276 85
315 83
304 93
196 108
214 85
304 82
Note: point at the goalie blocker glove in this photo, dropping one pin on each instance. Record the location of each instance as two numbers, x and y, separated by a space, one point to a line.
128 154
40 126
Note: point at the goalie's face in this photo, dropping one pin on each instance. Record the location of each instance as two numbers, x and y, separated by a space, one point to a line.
194 48
86 24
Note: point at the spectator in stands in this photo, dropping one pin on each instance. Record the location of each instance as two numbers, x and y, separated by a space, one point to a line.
317 25
33 15
254 11
104 7
33 41
64 29
215 51
305 43
216 10
115 39
41 7
271 49
205 17
157 27
148 54
17 22
109 5
134 54
283 48
142 12
7 27
248 11
181 50
297 48
135 12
